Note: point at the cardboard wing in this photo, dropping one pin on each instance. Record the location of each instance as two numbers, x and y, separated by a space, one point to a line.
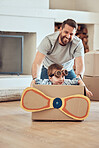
75 106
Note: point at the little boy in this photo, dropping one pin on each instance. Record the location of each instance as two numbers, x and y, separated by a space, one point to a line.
57 75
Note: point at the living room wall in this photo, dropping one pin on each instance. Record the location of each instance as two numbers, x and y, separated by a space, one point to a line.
79 5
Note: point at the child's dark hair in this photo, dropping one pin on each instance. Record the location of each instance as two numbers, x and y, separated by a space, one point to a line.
52 67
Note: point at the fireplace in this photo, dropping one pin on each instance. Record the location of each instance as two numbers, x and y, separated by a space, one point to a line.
17 52
11 54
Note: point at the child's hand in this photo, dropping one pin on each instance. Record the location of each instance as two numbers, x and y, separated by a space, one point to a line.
89 93
33 82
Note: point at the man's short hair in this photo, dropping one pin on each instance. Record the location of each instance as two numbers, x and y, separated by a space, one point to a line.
52 67
71 23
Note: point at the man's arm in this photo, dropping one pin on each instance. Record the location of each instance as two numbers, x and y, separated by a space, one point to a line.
79 65
88 92
37 63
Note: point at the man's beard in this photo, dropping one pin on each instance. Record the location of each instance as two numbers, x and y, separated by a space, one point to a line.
64 40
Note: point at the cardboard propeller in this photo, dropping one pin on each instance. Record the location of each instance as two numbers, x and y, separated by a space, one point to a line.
75 106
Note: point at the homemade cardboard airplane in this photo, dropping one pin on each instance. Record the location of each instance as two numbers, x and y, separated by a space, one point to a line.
48 102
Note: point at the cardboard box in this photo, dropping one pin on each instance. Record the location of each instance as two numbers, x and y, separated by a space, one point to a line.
56 91
92 84
91 63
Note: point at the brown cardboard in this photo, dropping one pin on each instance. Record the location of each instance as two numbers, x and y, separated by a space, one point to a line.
56 91
92 84
92 63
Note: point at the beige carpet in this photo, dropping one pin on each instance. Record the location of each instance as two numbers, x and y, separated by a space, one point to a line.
10 94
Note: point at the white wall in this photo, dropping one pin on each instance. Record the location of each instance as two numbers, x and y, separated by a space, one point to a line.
41 26
80 5
42 4
15 82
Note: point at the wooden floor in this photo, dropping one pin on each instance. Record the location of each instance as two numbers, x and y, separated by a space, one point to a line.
18 131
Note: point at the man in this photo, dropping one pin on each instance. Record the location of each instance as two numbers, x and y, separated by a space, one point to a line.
62 48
